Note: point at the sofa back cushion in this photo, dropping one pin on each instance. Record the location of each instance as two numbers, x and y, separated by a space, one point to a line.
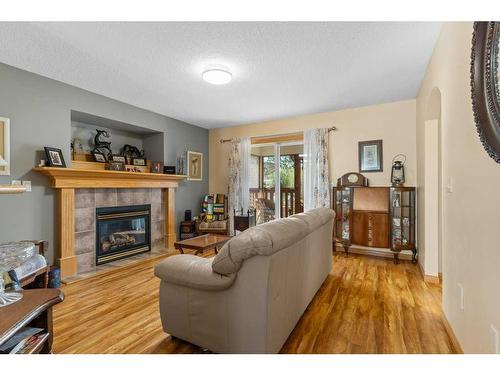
267 239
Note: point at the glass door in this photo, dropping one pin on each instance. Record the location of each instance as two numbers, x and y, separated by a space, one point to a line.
291 174
262 182
269 198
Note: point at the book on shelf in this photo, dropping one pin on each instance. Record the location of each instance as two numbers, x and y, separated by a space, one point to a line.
28 344
24 341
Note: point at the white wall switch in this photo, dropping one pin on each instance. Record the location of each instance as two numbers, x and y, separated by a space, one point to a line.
461 297
27 185
495 340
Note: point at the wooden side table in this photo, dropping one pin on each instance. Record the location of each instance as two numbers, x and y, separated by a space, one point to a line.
187 229
33 310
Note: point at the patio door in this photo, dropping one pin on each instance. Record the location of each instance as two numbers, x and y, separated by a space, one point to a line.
276 186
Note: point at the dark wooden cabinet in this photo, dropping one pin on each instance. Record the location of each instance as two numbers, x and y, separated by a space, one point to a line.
243 222
33 310
187 229
370 229
379 217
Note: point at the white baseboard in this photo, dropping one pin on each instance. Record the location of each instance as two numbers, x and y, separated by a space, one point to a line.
374 251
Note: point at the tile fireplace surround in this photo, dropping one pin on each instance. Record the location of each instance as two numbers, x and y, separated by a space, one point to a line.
110 187
86 202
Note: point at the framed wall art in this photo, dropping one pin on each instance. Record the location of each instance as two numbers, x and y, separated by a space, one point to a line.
370 156
4 146
194 166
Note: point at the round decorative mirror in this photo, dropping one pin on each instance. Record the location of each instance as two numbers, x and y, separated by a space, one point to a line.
485 85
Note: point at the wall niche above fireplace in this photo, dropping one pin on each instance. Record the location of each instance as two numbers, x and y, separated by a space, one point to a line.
122 232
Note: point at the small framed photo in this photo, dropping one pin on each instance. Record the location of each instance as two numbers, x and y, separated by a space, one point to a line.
99 157
370 156
119 159
141 162
194 166
156 167
55 157
116 166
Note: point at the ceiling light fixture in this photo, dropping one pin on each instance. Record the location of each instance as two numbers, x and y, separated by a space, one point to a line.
217 76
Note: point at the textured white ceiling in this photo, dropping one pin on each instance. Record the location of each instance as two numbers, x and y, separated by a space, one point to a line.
280 69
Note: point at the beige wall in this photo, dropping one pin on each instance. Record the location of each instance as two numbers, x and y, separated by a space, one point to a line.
471 251
392 122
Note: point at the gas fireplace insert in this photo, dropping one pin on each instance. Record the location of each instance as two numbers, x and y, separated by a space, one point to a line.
122 232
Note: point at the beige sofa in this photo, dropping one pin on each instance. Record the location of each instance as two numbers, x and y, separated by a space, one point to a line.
249 297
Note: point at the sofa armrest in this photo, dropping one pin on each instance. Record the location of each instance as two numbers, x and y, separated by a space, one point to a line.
193 272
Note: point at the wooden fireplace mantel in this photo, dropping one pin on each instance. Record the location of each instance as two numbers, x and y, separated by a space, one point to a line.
88 178
66 180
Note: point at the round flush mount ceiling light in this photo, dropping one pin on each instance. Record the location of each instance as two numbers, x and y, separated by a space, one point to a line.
217 76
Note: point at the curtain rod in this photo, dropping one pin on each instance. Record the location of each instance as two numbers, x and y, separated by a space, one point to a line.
333 128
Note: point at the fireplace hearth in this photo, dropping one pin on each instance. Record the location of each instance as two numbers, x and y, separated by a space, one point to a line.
122 232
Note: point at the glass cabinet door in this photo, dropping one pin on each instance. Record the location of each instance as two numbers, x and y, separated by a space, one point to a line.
346 213
343 207
403 218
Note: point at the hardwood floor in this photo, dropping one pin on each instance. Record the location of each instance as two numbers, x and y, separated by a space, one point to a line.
367 305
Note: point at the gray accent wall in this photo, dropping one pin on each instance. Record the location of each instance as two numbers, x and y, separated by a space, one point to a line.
39 109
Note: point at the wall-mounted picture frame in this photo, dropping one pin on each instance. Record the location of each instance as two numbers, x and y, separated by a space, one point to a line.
99 157
119 159
370 156
4 146
141 162
194 166
55 157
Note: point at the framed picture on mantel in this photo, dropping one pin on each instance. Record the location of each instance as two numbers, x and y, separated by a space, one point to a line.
370 156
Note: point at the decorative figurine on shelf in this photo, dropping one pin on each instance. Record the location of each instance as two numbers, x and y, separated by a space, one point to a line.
398 170
396 202
130 152
101 146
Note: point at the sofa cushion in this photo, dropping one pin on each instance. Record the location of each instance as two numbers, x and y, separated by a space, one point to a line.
193 272
268 238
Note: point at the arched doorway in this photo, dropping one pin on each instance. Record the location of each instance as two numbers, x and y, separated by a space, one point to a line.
433 191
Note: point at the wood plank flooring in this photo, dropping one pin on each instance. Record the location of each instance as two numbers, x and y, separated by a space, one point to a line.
367 305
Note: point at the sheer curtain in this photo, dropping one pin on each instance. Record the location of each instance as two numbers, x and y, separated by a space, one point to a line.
239 177
316 179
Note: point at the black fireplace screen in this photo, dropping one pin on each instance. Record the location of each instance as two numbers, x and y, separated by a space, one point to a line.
122 232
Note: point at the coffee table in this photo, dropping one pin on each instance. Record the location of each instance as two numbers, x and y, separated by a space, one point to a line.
201 243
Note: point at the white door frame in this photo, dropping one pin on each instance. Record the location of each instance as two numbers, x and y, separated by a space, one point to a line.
432 192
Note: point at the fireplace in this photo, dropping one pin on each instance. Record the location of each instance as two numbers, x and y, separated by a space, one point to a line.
122 232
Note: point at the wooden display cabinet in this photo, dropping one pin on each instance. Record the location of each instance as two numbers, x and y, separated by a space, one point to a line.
378 217
343 198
